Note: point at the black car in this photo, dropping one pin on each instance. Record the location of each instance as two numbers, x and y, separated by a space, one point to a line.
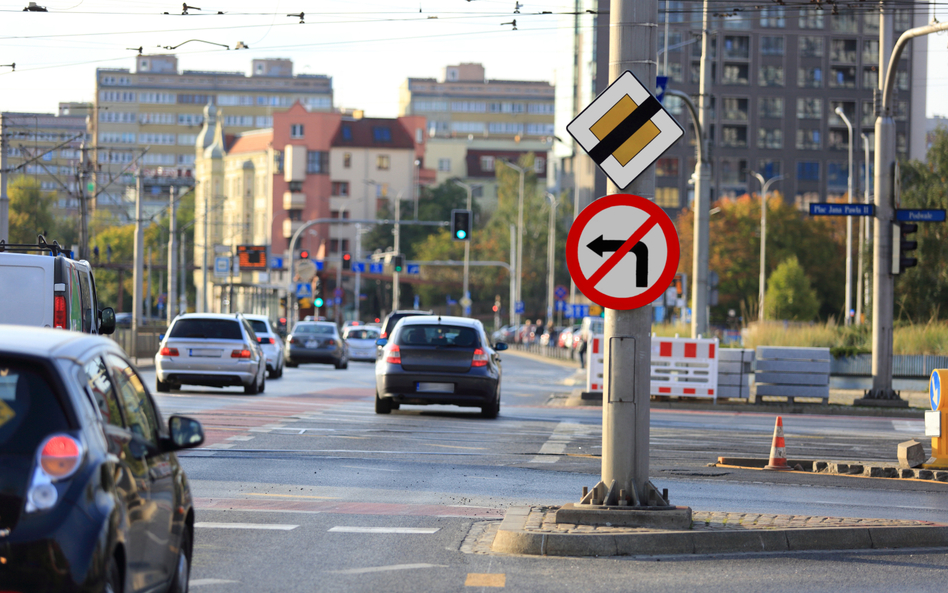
434 359
92 497
316 341
388 324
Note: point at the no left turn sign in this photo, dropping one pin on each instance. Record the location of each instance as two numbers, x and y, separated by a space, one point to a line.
622 251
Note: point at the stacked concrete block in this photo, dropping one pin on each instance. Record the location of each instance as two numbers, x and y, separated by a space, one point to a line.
735 366
792 372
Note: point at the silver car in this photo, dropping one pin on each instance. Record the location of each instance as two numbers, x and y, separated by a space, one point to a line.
270 343
210 349
316 341
361 341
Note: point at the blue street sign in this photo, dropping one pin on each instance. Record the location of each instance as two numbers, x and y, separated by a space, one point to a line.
827 209
319 265
337 292
451 302
567 311
661 83
560 292
560 306
338 300
358 267
580 311
414 269
519 308
920 215
304 290
276 262
221 265
377 268
934 390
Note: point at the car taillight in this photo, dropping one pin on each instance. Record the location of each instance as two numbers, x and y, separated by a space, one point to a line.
169 351
240 353
384 335
60 456
59 312
264 340
480 358
393 354
330 342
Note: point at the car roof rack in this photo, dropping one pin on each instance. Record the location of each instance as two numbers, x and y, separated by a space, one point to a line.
41 245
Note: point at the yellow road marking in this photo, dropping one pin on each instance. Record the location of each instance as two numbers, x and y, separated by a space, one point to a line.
636 142
292 495
485 580
454 447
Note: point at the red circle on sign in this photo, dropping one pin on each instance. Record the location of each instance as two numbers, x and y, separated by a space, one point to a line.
587 286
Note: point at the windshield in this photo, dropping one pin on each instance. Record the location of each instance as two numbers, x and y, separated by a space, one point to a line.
320 330
437 335
211 329
362 334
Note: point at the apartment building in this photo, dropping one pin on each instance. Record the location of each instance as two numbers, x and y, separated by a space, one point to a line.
46 147
154 114
474 121
778 75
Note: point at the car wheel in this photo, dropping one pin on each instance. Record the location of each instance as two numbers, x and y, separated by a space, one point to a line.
263 382
162 386
382 406
395 405
272 374
292 365
280 371
252 389
491 410
182 571
113 578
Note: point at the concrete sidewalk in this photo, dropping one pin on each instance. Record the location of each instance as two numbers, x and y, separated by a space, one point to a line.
534 531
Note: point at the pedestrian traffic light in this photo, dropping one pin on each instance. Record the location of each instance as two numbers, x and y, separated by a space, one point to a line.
903 246
304 254
318 302
347 261
398 263
461 225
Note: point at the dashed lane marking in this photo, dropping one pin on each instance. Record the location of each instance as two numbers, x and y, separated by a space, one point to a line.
292 495
456 447
475 579
269 526
400 530
240 437
201 582
391 567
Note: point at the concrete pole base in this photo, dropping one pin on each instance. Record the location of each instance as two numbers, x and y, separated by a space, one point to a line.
654 517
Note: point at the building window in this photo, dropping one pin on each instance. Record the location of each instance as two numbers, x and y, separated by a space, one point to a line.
842 77
773 18
674 105
696 73
735 109
340 188
733 171
843 50
810 47
296 130
336 214
295 214
769 169
837 174
444 164
845 22
696 47
346 132
770 107
868 114
870 23
295 186
902 80
849 109
808 171
811 78
901 111
870 52
811 18
667 197
870 78
837 139
808 140
771 46
334 245
769 138
487 163
735 74
736 47
666 167
809 108
674 38
381 134
347 160
734 136
770 76
539 165
382 162
317 161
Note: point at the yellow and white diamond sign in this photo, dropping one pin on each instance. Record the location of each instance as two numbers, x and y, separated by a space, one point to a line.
625 129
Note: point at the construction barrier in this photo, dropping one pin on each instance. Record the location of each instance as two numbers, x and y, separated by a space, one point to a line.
685 367
595 363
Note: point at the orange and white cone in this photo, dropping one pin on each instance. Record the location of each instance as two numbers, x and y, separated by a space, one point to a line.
778 451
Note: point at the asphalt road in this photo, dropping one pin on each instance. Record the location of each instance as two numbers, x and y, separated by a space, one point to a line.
305 488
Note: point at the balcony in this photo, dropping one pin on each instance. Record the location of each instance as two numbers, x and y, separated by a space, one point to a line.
290 227
293 200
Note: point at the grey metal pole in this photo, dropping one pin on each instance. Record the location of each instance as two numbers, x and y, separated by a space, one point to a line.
467 245
183 291
521 171
625 409
148 289
337 307
138 270
863 234
204 248
513 274
849 222
398 218
550 244
83 204
358 275
4 200
762 289
171 302
702 201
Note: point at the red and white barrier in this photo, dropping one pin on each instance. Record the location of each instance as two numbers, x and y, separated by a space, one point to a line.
595 363
685 367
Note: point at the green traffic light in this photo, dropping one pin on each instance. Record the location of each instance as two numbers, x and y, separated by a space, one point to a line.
318 302
461 234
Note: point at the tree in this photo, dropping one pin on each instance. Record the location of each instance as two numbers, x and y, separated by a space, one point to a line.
789 294
30 211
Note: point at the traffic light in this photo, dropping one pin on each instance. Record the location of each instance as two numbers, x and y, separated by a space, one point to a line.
347 261
461 225
903 246
496 307
318 302
304 254
398 263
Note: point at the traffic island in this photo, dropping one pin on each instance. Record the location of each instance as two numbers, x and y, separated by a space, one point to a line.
865 469
536 531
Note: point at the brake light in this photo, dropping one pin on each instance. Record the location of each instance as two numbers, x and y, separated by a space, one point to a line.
384 335
59 312
169 351
393 354
264 340
240 353
330 342
60 456
480 358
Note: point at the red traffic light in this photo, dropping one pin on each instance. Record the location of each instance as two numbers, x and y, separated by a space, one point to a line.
304 254
496 308
346 256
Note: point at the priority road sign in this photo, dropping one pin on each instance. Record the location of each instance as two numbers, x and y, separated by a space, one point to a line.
622 251
625 129
560 292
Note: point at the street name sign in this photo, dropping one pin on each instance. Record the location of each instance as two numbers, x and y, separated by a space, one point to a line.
920 215
827 209
622 251
625 129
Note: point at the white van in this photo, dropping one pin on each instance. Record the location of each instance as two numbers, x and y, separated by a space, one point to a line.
40 286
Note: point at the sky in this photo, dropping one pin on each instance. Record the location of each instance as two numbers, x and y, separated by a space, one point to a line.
368 47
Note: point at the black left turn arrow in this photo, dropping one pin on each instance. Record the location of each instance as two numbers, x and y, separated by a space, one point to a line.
599 245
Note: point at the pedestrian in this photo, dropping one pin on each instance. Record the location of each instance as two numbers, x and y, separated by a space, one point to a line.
582 352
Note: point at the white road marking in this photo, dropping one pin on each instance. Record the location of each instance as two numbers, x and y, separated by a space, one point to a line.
415 530
387 568
556 444
199 582
220 446
917 426
273 526
239 437
372 469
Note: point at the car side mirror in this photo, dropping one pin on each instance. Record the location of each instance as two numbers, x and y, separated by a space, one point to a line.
185 432
381 342
500 346
107 321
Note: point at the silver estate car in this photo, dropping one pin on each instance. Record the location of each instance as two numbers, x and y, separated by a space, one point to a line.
210 349
270 343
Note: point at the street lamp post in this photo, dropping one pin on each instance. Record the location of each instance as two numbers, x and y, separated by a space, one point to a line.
863 235
520 170
849 221
550 244
765 185
467 245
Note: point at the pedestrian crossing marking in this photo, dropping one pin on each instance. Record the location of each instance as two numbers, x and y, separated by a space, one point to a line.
475 579
611 120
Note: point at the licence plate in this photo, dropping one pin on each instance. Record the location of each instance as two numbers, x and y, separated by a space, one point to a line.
437 387
205 352
312 344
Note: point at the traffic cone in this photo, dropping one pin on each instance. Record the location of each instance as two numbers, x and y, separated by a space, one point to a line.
778 450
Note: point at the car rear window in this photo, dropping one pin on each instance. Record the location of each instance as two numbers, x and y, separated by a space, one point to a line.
322 330
258 326
362 334
437 335
211 329
29 408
